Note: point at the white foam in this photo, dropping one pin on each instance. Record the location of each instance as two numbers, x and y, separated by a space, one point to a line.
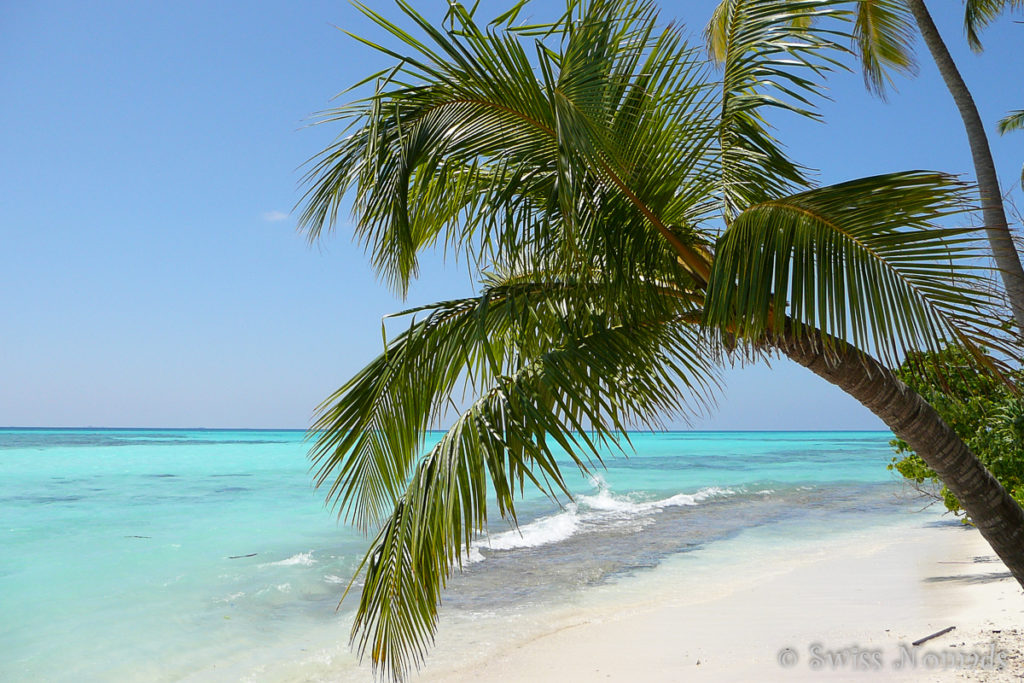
331 578
606 501
543 531
604 506
473 555
678 499
304 559
711 492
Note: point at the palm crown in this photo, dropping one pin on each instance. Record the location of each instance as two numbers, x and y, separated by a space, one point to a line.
633 220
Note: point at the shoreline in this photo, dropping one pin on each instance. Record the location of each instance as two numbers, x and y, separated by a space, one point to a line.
725 613
848 606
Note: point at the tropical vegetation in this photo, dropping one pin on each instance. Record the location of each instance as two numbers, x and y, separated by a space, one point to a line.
633 223
986 411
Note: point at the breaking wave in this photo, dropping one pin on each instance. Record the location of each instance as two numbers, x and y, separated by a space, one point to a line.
303 559
591 511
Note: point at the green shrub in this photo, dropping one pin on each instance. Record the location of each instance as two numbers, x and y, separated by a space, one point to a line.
985 411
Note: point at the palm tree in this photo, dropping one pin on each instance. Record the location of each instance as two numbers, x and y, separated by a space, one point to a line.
882 36
1000 239
884 31
633 222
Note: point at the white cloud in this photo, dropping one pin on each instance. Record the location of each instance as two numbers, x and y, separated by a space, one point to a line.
274 216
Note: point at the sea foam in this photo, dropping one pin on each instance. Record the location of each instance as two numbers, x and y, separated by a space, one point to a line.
543 531
605 500
303 559
603 507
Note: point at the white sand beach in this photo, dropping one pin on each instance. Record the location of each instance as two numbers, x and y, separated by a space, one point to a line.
845 609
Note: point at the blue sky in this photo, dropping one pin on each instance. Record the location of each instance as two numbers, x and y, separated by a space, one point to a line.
150 273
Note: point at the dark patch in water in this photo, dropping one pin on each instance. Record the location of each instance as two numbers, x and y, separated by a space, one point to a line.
41 500
160 476
43 439
232 489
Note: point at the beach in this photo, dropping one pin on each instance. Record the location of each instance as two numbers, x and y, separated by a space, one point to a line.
511 342
207 556
836 610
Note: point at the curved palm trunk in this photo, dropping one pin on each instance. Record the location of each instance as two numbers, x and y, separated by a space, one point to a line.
996 228
998 516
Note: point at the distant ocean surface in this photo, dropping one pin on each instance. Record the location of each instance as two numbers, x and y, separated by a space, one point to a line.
155 555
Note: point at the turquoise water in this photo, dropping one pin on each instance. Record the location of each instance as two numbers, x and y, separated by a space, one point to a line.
162 554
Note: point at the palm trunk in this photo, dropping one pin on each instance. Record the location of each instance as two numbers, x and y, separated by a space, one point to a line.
998 516
992 210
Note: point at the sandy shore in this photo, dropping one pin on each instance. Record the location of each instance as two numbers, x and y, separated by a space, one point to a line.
843 609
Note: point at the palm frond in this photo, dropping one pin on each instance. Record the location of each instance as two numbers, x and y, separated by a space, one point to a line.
472 144
861 261
368 433
773 56
1011 122
637 115
460 120
716 32
579 399
884 33
980 13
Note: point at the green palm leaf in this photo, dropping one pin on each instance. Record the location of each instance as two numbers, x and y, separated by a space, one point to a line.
884 33
419 164
980 13
1012 121
581 398
369 432
467 145
773 55
861 261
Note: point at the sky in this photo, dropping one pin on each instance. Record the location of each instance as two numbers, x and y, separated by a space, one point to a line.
151 274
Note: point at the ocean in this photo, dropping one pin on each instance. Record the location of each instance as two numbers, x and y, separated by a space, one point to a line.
160 555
